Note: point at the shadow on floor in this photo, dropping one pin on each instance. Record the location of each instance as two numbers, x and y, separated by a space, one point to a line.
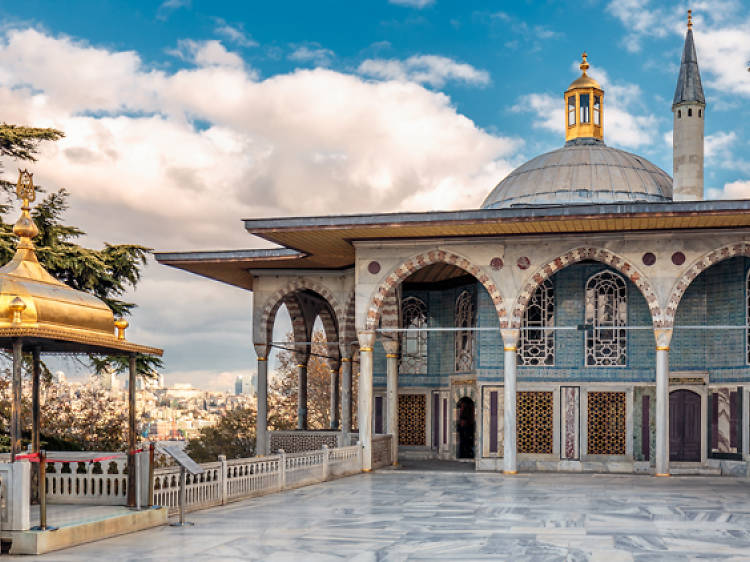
433 465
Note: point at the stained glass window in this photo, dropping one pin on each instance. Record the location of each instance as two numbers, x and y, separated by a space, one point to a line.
414 342
464 336
537 345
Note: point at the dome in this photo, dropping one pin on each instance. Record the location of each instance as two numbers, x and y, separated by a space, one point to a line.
583 171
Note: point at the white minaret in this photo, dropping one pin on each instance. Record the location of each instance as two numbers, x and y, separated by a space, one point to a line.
689 111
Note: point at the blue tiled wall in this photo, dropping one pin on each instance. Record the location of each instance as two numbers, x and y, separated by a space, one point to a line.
716 297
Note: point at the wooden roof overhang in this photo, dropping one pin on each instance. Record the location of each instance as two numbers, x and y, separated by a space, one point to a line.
326 242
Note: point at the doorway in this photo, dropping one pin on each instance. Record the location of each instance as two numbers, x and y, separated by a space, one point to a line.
465 428
684 426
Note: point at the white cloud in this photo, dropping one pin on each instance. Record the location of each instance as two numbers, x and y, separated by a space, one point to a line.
419 4
425 69
207 53
234 34
719 144
313 54
736 190
169 6
308 142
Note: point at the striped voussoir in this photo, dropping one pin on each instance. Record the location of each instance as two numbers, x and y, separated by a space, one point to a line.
416 263
282 295
577 255
696 268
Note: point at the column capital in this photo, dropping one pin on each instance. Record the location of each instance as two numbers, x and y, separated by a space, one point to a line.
261 350
345 350
390 345
366 340
663 337
510 337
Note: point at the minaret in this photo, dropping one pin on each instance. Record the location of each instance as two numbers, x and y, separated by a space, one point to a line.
689 111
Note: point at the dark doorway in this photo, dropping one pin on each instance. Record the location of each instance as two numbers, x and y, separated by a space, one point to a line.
465 427
684 426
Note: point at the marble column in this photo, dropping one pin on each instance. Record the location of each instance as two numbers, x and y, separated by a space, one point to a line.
334 415
663 338
391 363
346 392
132 375
302 395
510 343
15 404
262 444
364 413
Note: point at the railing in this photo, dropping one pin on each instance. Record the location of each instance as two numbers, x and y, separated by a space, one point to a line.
15 481
232 480
300 440
101 483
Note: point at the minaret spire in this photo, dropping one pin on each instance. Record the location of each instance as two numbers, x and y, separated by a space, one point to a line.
689 111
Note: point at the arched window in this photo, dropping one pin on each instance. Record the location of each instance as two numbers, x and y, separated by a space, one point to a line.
537 345
690 112
571 110
464 336
679 114
606 310
413 343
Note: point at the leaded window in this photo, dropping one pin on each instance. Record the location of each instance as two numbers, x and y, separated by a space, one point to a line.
606 315
413 342
537 345
464 335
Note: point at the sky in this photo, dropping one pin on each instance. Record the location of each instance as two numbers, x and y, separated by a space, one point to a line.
183 117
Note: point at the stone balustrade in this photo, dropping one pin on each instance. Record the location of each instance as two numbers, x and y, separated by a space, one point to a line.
297 441
231 480
381 451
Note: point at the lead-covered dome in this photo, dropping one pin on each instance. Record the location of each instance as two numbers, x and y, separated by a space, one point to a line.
583 171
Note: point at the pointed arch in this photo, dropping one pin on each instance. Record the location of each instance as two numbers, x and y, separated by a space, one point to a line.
739 249
398 274
602 255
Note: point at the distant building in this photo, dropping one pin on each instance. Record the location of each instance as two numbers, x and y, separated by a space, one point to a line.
244 384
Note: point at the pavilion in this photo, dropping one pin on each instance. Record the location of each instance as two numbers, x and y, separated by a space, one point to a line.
591 315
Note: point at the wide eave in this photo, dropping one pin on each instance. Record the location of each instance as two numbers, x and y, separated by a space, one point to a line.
326 242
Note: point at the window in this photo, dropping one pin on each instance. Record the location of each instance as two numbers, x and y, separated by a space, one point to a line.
690 112
679 114
597 111
537 345
585 117
571 110
606 311
700 113
413 343
464 336
747 317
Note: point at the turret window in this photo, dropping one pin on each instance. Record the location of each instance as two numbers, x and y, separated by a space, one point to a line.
597 111
690 112
585 117
700 114
571 111
679 114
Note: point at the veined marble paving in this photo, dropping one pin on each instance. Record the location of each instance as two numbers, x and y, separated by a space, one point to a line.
430 515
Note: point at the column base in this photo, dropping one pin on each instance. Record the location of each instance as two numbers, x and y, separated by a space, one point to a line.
663 475
366 470
510 472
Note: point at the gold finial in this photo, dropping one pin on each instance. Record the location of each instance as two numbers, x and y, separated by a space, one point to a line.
690 19
16 307
25 228
584 63
121 324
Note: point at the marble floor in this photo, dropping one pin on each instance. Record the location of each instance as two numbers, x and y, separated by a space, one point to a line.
431 515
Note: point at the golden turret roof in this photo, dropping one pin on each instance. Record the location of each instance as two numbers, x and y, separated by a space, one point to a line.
584 81
35 305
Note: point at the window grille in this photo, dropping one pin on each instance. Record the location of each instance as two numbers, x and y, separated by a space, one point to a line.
464 336
537 345
413 344
606 310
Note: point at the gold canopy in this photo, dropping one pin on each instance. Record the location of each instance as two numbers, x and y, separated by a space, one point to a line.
36 306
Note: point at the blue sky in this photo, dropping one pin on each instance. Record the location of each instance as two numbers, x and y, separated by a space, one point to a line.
184 117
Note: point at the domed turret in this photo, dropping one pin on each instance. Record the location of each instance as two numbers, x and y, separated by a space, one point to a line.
585 170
